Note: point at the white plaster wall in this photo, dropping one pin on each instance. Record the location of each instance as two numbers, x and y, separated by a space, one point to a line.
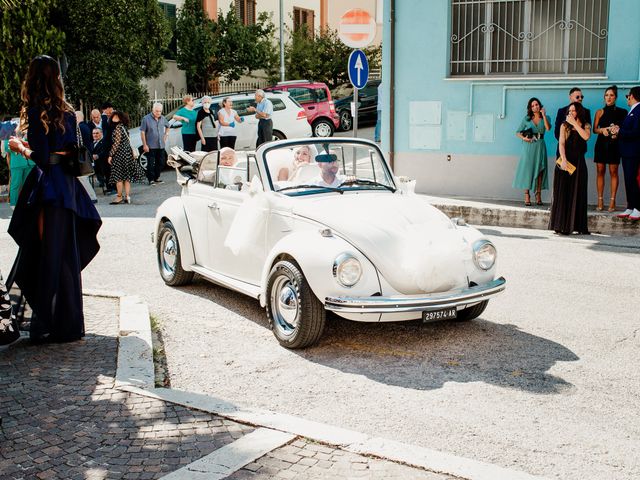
461 176
171 80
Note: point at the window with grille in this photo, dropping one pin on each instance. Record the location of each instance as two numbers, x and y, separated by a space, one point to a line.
528 37
246 11
303 17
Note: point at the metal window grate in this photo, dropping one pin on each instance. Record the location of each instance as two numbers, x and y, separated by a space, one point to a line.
520 37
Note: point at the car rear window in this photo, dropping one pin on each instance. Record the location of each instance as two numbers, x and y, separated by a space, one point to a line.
302 95
321 95
277 104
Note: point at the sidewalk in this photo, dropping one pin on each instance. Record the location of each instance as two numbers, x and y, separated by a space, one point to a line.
499 213
84 410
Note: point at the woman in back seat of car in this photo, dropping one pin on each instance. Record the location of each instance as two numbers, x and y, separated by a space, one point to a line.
302 155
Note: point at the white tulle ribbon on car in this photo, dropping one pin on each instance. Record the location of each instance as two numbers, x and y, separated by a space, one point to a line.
248 226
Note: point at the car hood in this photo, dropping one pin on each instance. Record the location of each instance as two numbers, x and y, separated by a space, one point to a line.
414 246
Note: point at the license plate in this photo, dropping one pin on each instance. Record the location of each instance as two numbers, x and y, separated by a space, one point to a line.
446 314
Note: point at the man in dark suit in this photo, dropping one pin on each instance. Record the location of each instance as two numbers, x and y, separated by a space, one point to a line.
575 95
107 110
100 153
85 130
629 141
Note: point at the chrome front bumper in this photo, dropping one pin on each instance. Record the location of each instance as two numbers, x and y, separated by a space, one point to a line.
416 303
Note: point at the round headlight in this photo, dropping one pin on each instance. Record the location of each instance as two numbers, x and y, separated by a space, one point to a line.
484 254
347 270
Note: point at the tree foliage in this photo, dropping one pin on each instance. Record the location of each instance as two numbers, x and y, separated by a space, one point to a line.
194 33
224 49
241 49
25 32
322 57
111 46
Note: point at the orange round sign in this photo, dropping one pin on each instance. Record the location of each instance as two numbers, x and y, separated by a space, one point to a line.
357 28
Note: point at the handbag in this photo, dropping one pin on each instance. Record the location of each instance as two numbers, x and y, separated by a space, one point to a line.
79 162
570 166
527 133
134 151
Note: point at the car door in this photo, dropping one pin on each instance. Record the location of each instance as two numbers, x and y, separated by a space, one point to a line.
198 198
305 97
246 264
368 99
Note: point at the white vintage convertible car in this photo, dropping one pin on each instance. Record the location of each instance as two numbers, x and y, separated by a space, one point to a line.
310 226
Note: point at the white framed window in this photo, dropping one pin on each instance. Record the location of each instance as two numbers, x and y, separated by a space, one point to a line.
528 37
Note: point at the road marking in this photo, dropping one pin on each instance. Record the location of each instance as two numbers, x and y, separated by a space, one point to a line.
232 457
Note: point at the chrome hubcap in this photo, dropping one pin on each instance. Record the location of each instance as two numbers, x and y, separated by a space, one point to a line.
284 305
169 254
323 130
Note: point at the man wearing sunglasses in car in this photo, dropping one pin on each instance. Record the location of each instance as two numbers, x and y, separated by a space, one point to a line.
575 95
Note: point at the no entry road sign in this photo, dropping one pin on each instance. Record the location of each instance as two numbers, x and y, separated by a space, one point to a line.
357 28
358 69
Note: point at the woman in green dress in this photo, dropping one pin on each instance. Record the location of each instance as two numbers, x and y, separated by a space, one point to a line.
531 173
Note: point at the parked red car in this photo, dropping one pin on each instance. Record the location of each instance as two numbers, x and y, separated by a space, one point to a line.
315 98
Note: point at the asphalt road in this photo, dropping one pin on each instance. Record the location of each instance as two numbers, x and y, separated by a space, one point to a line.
546 381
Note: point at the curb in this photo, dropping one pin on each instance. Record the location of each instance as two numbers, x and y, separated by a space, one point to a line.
135 374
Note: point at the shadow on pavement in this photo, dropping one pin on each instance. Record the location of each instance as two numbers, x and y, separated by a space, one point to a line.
422 356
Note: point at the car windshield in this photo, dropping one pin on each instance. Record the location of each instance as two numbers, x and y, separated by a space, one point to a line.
327 166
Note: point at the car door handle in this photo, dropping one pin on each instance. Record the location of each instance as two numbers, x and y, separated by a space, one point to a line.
311 107
214 206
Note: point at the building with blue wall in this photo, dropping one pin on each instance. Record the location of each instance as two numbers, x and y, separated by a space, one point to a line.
463 71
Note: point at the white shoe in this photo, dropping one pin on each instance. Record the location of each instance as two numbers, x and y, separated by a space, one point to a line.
625 214
635 215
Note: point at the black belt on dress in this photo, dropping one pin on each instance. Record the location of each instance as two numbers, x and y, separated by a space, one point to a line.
56 158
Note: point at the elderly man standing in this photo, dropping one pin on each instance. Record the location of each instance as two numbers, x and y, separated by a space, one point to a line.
264 111
154 130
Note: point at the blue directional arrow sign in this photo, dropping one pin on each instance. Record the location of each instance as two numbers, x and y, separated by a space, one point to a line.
358 69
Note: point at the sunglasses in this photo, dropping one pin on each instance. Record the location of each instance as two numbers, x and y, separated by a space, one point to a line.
627 95
579 97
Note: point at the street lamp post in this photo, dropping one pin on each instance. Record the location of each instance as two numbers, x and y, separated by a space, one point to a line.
282 40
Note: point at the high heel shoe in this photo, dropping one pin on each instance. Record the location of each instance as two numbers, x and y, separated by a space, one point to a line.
538 197
117 202
127 199
612 204
600 204
527 200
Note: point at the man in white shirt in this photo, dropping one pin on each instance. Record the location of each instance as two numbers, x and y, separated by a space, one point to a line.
329 176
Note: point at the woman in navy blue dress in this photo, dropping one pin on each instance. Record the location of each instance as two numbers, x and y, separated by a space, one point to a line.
55 224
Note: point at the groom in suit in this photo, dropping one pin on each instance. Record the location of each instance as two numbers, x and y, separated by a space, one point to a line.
575 95
100 152
629 140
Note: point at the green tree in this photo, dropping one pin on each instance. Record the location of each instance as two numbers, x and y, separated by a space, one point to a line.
25 32
241 49
194 33
111 46
322 57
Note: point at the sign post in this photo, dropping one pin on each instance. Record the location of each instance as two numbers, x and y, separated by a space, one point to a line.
357 29
358 69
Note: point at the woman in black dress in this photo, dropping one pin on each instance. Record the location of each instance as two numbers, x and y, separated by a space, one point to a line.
607 151
124 168
55 223
569 203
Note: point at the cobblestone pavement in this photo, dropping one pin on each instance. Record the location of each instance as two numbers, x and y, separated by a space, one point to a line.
63 418
308 460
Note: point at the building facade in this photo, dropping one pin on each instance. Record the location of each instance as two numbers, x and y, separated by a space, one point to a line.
464 70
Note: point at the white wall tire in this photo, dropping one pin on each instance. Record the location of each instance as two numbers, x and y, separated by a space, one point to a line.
169 258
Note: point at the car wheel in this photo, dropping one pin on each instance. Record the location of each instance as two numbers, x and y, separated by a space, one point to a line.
346 121
169 258
142 160
296 316
322 128
470 313
277 135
